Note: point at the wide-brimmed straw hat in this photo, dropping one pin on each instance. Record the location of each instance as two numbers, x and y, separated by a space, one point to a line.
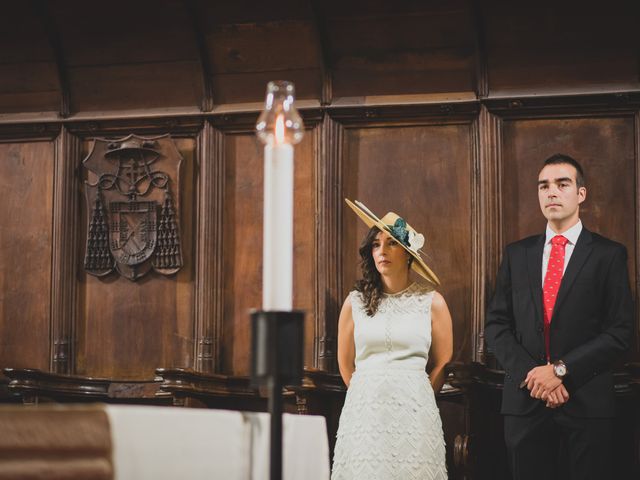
404 233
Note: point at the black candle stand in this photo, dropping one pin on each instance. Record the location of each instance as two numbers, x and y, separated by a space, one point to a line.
277 359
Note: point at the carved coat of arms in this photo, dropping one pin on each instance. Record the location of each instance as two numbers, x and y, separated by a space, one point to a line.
133 224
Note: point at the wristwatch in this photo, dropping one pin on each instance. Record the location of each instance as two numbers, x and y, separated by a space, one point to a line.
559 369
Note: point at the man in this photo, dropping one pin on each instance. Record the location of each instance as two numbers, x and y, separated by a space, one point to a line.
560 318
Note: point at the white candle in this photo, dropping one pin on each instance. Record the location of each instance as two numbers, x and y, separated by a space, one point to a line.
277 252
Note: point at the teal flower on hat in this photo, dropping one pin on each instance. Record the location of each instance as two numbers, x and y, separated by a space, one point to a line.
412 240
400 232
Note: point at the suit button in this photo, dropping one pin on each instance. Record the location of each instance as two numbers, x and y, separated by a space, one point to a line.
540 329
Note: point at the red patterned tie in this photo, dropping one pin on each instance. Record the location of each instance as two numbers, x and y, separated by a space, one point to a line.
552 281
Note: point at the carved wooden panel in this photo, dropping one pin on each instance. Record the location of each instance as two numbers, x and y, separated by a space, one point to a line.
26 237
243 211
423 173
126 330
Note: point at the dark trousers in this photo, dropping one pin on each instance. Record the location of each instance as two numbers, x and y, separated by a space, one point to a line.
549 444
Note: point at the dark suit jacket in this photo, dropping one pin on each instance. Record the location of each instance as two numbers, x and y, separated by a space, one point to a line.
591 325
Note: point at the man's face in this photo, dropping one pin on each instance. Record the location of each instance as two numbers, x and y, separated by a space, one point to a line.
559 195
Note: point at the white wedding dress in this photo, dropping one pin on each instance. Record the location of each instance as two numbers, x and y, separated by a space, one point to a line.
390 426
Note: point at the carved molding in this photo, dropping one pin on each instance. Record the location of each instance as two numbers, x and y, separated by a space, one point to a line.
187 382
32 384
138 122
328 154
539 106
29 131
487 222
405 114
183 382
64 252
209 285
637 221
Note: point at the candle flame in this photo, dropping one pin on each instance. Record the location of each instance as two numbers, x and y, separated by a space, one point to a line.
280 129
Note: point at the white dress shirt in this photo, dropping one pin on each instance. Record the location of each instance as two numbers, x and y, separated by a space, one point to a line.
572 235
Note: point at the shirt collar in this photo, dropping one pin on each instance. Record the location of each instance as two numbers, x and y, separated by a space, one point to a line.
572 234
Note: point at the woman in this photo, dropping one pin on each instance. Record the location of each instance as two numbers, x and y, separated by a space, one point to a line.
390 426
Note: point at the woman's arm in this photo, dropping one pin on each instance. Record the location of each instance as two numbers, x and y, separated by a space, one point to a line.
346 345
441 340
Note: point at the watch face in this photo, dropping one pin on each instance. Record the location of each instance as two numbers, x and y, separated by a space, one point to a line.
560 370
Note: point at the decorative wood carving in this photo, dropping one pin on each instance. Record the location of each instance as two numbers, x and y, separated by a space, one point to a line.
125 232
636 355
35 385
209 251
65 252
328 153
487 223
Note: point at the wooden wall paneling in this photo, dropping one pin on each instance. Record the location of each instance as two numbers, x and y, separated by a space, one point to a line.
209 286
244 61
65 249
481 72
242 241
637 259
58 54
148 57
328 258
424 172
605 145
387 49
27 172
198 24
546 47
322 41
28 72
127 329
487 228
142 122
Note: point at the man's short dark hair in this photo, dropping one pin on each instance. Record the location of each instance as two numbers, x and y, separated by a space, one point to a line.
560 158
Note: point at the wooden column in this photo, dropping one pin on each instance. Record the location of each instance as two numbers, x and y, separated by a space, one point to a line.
209 296
328 259
65 250
487 222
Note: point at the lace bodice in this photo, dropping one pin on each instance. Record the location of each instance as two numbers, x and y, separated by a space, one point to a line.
398 335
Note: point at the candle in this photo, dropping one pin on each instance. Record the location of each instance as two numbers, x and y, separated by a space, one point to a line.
279 127
277 249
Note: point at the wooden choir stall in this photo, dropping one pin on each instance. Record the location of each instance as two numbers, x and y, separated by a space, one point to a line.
131 220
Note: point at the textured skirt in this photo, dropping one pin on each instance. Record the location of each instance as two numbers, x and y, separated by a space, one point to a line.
390 428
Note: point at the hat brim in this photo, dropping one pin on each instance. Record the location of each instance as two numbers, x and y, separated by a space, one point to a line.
371 220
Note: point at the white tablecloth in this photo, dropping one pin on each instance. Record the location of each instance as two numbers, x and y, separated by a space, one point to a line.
194 444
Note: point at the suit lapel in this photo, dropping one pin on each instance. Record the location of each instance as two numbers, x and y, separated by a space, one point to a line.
534 268
580 254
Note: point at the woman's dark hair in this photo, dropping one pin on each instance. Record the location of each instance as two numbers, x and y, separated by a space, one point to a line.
370 285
